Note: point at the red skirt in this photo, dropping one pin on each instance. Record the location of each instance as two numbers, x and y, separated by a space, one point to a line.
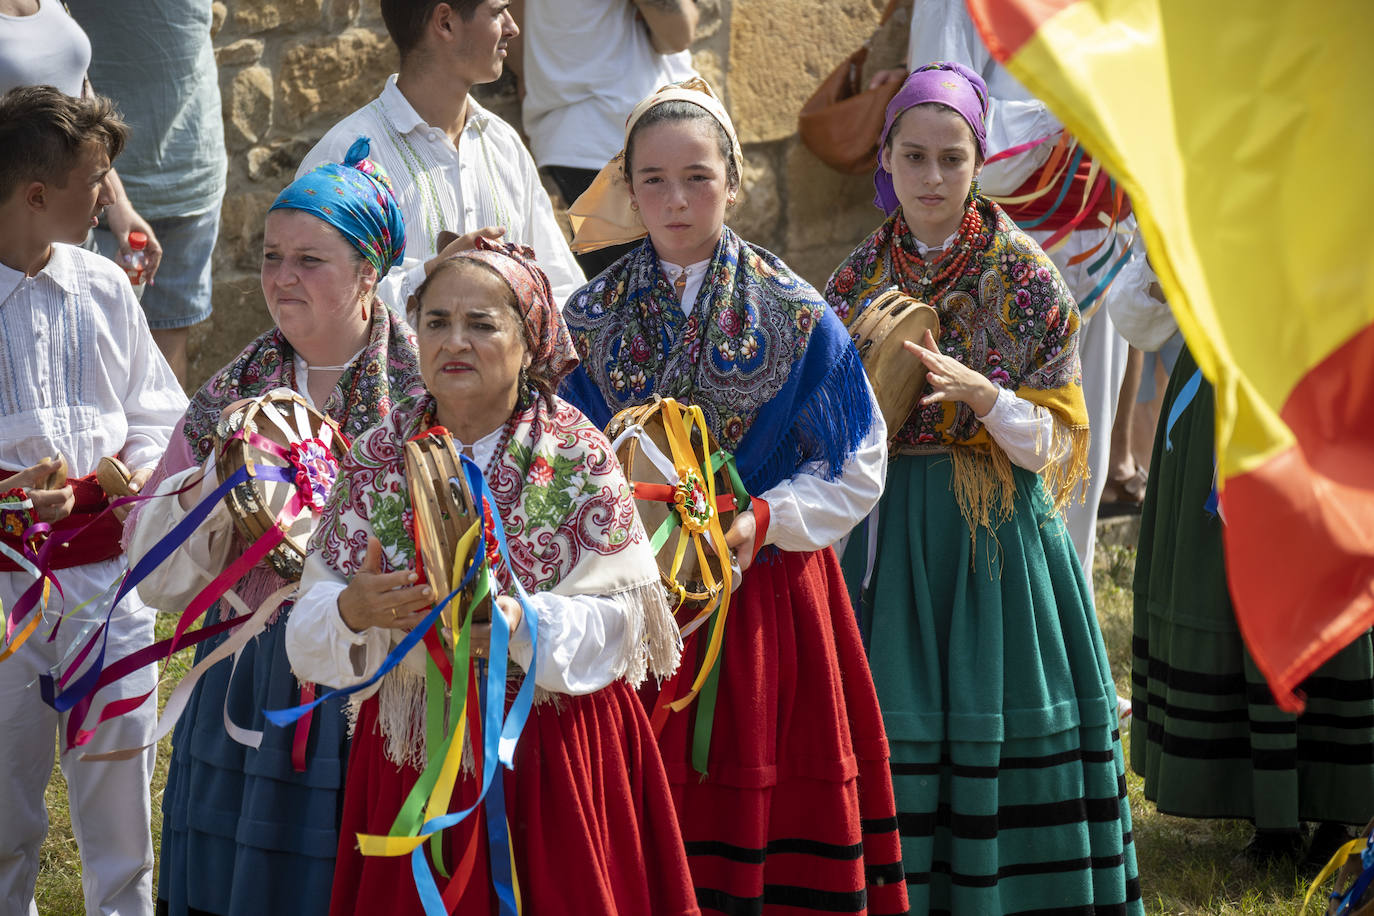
796 815
590 815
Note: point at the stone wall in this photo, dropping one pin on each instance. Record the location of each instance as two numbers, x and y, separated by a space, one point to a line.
289 69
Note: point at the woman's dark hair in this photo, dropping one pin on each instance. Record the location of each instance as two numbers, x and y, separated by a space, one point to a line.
406 19
935 106
672 112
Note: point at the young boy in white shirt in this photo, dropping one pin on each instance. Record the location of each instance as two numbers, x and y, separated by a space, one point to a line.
80 378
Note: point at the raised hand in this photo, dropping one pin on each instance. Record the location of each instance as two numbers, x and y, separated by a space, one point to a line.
377 599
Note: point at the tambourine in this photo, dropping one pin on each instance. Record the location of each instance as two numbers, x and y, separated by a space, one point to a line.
897 375
444 510
279 429
682 481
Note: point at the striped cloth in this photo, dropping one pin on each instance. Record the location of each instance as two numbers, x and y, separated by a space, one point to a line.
1206 734
998 703
489 179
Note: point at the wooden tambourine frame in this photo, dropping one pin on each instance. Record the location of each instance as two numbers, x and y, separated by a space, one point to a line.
444 511
897 375
641 468
284 417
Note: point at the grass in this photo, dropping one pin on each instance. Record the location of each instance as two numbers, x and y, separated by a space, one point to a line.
1191 867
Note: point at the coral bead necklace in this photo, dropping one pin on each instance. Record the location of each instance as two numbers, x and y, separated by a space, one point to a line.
928 281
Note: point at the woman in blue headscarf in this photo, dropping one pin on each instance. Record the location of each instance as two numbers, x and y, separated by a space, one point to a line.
247 829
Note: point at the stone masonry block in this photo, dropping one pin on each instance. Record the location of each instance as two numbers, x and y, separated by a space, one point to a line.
331 77
779 52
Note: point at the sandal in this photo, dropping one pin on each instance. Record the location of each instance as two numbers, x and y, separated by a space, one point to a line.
1123 496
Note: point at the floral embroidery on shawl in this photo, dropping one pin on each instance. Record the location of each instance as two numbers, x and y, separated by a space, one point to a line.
387 371
570 523
1010 317
732 355
779 382
557 486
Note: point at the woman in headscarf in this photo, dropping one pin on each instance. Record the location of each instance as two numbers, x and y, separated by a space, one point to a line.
246 831
591 822
984 645
789 808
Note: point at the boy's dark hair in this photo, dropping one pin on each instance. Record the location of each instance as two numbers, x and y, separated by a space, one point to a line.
43 132
406 19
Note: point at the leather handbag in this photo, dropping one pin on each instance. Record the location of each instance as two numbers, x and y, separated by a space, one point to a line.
843 119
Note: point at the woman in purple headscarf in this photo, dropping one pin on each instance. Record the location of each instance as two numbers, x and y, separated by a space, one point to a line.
999 704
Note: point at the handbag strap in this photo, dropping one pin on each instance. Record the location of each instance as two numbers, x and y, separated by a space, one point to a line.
887 13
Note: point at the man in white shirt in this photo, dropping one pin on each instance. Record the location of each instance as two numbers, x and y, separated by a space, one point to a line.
585 65
80 378
456 167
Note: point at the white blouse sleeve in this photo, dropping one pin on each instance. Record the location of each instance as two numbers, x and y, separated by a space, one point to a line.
321 647
808 512
581 642
179 578
1025 431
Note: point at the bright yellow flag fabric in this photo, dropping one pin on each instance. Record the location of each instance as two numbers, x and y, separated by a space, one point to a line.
1244 132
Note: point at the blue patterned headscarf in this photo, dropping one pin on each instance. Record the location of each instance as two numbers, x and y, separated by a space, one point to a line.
356 198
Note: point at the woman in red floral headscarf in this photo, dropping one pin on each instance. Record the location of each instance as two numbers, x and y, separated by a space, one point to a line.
591 822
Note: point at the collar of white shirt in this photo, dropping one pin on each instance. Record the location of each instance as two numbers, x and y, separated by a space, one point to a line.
406 119
61 269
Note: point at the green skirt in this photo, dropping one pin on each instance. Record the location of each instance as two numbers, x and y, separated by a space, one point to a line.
999 705
1205 734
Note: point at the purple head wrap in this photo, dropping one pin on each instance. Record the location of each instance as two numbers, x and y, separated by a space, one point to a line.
948 83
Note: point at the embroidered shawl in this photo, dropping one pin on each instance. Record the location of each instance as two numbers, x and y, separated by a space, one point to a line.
387 371
772 369
1010 317
570 524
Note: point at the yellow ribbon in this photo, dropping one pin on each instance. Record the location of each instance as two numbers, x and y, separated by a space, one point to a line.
437 805
1354 847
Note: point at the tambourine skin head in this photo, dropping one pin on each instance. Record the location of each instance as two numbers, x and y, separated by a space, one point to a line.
283 417
443 509
897 375
641 468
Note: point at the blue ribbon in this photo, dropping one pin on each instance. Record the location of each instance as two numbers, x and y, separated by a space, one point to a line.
498 740
1063 190
163 549
1185 397
499 737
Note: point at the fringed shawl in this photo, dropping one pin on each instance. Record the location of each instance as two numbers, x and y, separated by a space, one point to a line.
387 371
570 524
1010 317
772 369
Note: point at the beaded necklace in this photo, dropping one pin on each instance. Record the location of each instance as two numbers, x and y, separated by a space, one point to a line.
928 281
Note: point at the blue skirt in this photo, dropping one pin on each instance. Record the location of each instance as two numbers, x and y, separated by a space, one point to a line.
244 833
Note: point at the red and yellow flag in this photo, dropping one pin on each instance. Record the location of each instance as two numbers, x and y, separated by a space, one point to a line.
1244 133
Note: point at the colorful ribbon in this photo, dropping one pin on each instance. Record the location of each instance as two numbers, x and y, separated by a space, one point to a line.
698 524
423 815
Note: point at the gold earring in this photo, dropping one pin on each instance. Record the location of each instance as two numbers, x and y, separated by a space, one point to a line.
634 205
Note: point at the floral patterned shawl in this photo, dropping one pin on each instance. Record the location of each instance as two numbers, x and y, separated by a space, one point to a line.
387 371
570 524
775 374
1010 317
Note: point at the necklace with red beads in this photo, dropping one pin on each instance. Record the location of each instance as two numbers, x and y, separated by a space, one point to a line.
928 281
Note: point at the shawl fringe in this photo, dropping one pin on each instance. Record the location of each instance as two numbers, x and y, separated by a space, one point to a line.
835 419
985 489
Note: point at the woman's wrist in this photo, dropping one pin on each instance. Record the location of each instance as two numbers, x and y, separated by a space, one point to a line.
987 399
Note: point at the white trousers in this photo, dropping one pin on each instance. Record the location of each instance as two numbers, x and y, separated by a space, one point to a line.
109 801
1102 352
